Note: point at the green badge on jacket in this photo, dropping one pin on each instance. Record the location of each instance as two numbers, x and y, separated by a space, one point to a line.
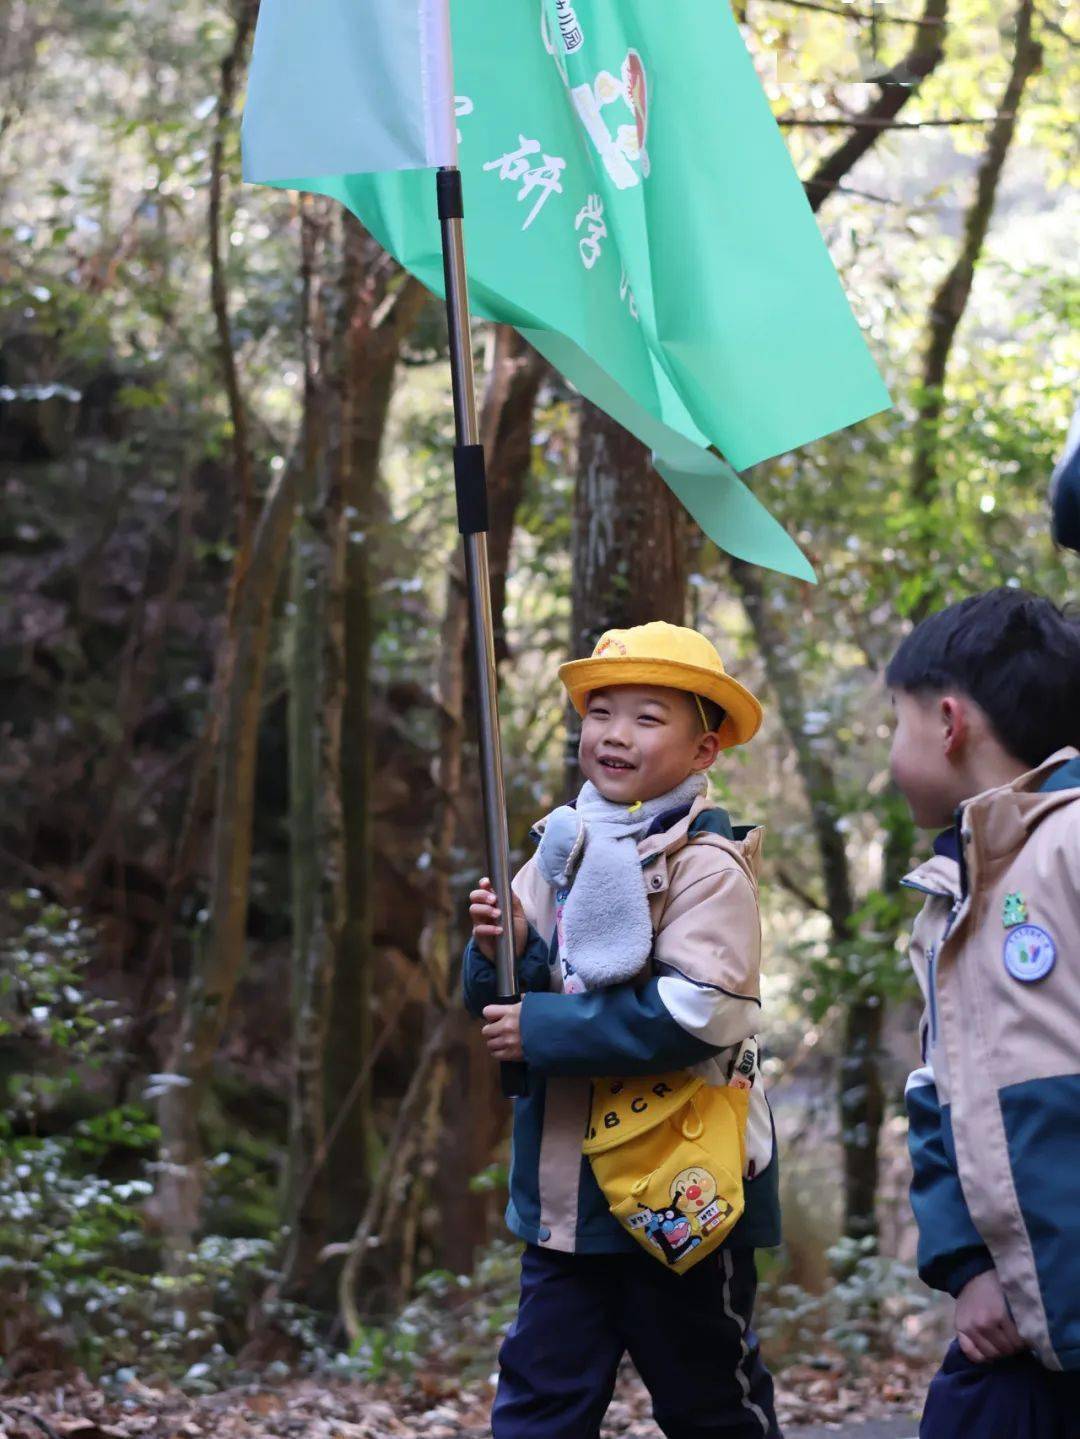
1015 910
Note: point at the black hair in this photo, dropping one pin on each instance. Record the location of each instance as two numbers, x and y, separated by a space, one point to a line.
715 714
1015 654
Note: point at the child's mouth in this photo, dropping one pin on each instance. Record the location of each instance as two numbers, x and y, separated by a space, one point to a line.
620 766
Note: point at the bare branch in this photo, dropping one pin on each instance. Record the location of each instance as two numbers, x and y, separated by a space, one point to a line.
1058 30
921 60
948 305
868 195
864 17
387 1031
399 1143
231 76
788 881
856 122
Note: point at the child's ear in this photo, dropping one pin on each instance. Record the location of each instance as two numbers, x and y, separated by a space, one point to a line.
955 724
707 750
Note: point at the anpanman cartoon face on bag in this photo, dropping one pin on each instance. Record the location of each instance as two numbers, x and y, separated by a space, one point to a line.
694 1189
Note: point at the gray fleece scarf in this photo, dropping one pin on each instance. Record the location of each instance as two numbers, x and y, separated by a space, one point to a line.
606 930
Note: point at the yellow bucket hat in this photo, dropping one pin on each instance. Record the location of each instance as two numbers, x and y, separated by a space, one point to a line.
668 655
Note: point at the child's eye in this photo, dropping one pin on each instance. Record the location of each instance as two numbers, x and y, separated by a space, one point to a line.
598 712
649 719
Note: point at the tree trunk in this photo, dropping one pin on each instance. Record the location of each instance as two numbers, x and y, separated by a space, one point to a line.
860 1096
862 1113
374 319
199 807
230 743
218 964
314 665
630 546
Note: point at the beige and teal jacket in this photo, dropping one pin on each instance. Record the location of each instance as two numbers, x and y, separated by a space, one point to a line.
699 997
994 1109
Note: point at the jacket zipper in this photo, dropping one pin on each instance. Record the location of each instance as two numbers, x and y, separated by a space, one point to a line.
932 956
934 950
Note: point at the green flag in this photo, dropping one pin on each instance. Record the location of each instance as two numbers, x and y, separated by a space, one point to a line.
630 206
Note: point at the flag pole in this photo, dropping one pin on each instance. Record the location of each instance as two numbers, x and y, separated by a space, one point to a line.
470 484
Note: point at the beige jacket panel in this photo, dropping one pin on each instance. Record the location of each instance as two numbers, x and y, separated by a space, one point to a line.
703 905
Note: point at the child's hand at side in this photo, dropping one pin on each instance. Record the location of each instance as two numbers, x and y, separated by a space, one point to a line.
487 920
984 1325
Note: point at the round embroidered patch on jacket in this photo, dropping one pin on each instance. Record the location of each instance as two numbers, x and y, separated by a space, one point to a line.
1029 953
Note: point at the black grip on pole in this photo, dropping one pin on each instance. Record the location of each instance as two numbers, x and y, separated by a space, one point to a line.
470 484
514 1073
448 190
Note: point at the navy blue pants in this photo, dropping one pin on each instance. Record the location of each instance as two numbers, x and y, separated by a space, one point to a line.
1010 1399
689 1336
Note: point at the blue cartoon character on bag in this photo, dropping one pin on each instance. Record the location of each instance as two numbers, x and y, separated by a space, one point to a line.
694 1208
672 1231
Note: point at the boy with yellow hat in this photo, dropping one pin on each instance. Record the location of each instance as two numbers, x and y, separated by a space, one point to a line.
643 1174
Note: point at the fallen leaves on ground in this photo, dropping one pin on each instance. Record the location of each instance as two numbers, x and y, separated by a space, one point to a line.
821 1394
71 1407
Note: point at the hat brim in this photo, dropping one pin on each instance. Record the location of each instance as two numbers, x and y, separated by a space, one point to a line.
743 711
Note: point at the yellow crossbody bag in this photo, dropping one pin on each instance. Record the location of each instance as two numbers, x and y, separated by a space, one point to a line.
669 1152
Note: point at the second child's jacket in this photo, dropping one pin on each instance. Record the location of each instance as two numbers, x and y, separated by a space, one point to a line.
698 998
994 1110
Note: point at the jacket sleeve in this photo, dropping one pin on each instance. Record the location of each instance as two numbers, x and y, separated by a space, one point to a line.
478 973
951 1250
688 1011
621 1030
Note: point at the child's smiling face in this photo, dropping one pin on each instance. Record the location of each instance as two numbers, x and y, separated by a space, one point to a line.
639 741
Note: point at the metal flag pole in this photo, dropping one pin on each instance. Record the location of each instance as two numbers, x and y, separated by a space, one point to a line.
470 484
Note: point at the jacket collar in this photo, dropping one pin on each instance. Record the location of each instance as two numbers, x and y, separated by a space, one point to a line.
938 876
664 822
1067 776
676 833
1007 815
1003 818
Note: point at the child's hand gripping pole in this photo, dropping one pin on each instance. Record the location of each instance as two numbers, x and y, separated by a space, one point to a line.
512 1072
501 944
